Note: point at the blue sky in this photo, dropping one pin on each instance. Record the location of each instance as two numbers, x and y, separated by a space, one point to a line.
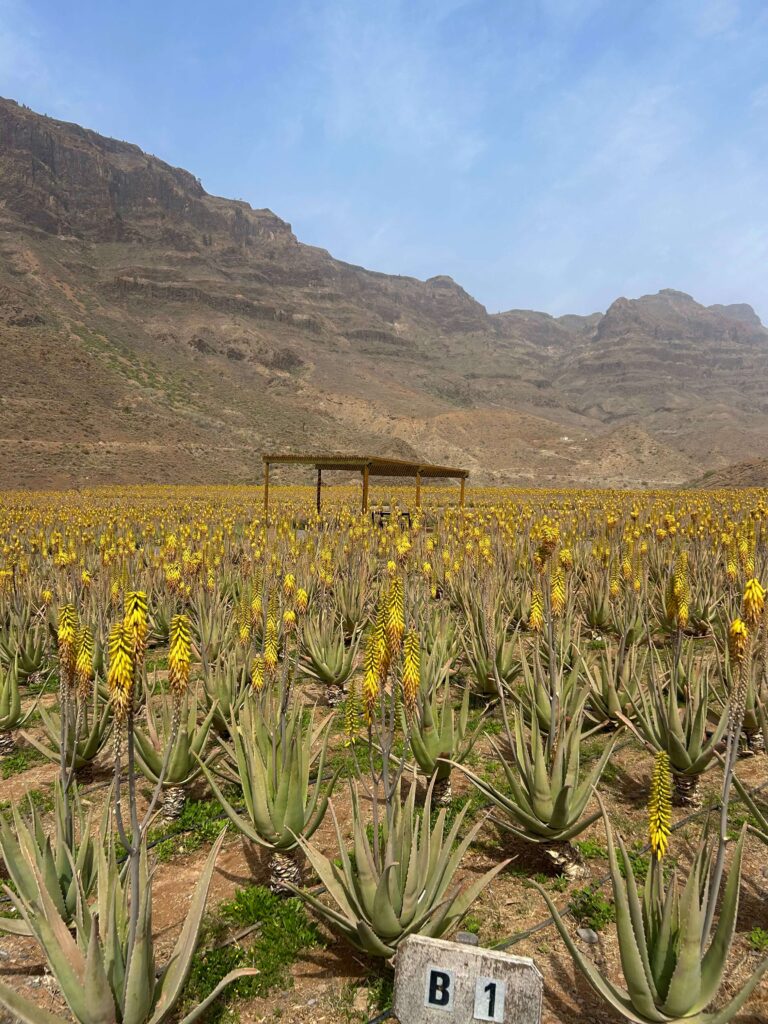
550 155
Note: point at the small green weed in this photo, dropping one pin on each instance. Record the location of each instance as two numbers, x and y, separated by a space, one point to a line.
592 749
640 862
736 822
20 761
200 823
284 932
589 907
380 992
591 849
758 939
42 799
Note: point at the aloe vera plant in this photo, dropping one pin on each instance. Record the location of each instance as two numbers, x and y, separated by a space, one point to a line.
671 969
169 752
214 628
65 859
26 646
106 971
442 642
491 657
597 606
225 688
351 594
269 757
325 655
11 716
534 697
681 732
546 797
399 882
438 736
612 685
85 732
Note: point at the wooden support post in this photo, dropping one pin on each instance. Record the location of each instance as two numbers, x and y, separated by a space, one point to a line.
319 485
365 489
266 486
461 495
418 489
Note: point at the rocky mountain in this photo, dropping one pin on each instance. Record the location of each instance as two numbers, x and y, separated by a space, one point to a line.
753 473
152 332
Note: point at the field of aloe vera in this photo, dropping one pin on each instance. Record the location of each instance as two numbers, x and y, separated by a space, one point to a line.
243 757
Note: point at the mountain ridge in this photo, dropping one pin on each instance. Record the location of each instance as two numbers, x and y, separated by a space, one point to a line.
187 332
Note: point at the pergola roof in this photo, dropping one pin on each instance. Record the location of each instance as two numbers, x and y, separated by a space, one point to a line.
376 466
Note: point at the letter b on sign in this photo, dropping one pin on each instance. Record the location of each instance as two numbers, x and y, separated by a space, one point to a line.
439 993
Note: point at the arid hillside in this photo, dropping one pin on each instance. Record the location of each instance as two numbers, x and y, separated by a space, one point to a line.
152 332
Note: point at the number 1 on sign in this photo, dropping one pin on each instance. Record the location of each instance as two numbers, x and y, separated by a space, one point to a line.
489 999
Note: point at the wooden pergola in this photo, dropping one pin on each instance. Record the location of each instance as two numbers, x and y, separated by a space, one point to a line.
368 466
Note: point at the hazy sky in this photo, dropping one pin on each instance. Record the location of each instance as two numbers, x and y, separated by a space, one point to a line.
551 154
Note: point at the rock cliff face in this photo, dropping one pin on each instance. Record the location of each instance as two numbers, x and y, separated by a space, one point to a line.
67 180
150 331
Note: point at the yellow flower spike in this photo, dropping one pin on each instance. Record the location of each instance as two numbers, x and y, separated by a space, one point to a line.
271 651
244 633
289 620
67 641
84 661
121 673
302 601
257 673
257 610
289 584
536 614
566 559
660 805
137 623
395 615
411 677
371 673
558 591
179 655
753 602
352 714
738 641
614 588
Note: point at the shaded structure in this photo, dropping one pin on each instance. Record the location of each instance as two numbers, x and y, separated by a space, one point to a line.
368 466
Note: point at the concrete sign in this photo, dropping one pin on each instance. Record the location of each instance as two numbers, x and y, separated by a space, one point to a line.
450 983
